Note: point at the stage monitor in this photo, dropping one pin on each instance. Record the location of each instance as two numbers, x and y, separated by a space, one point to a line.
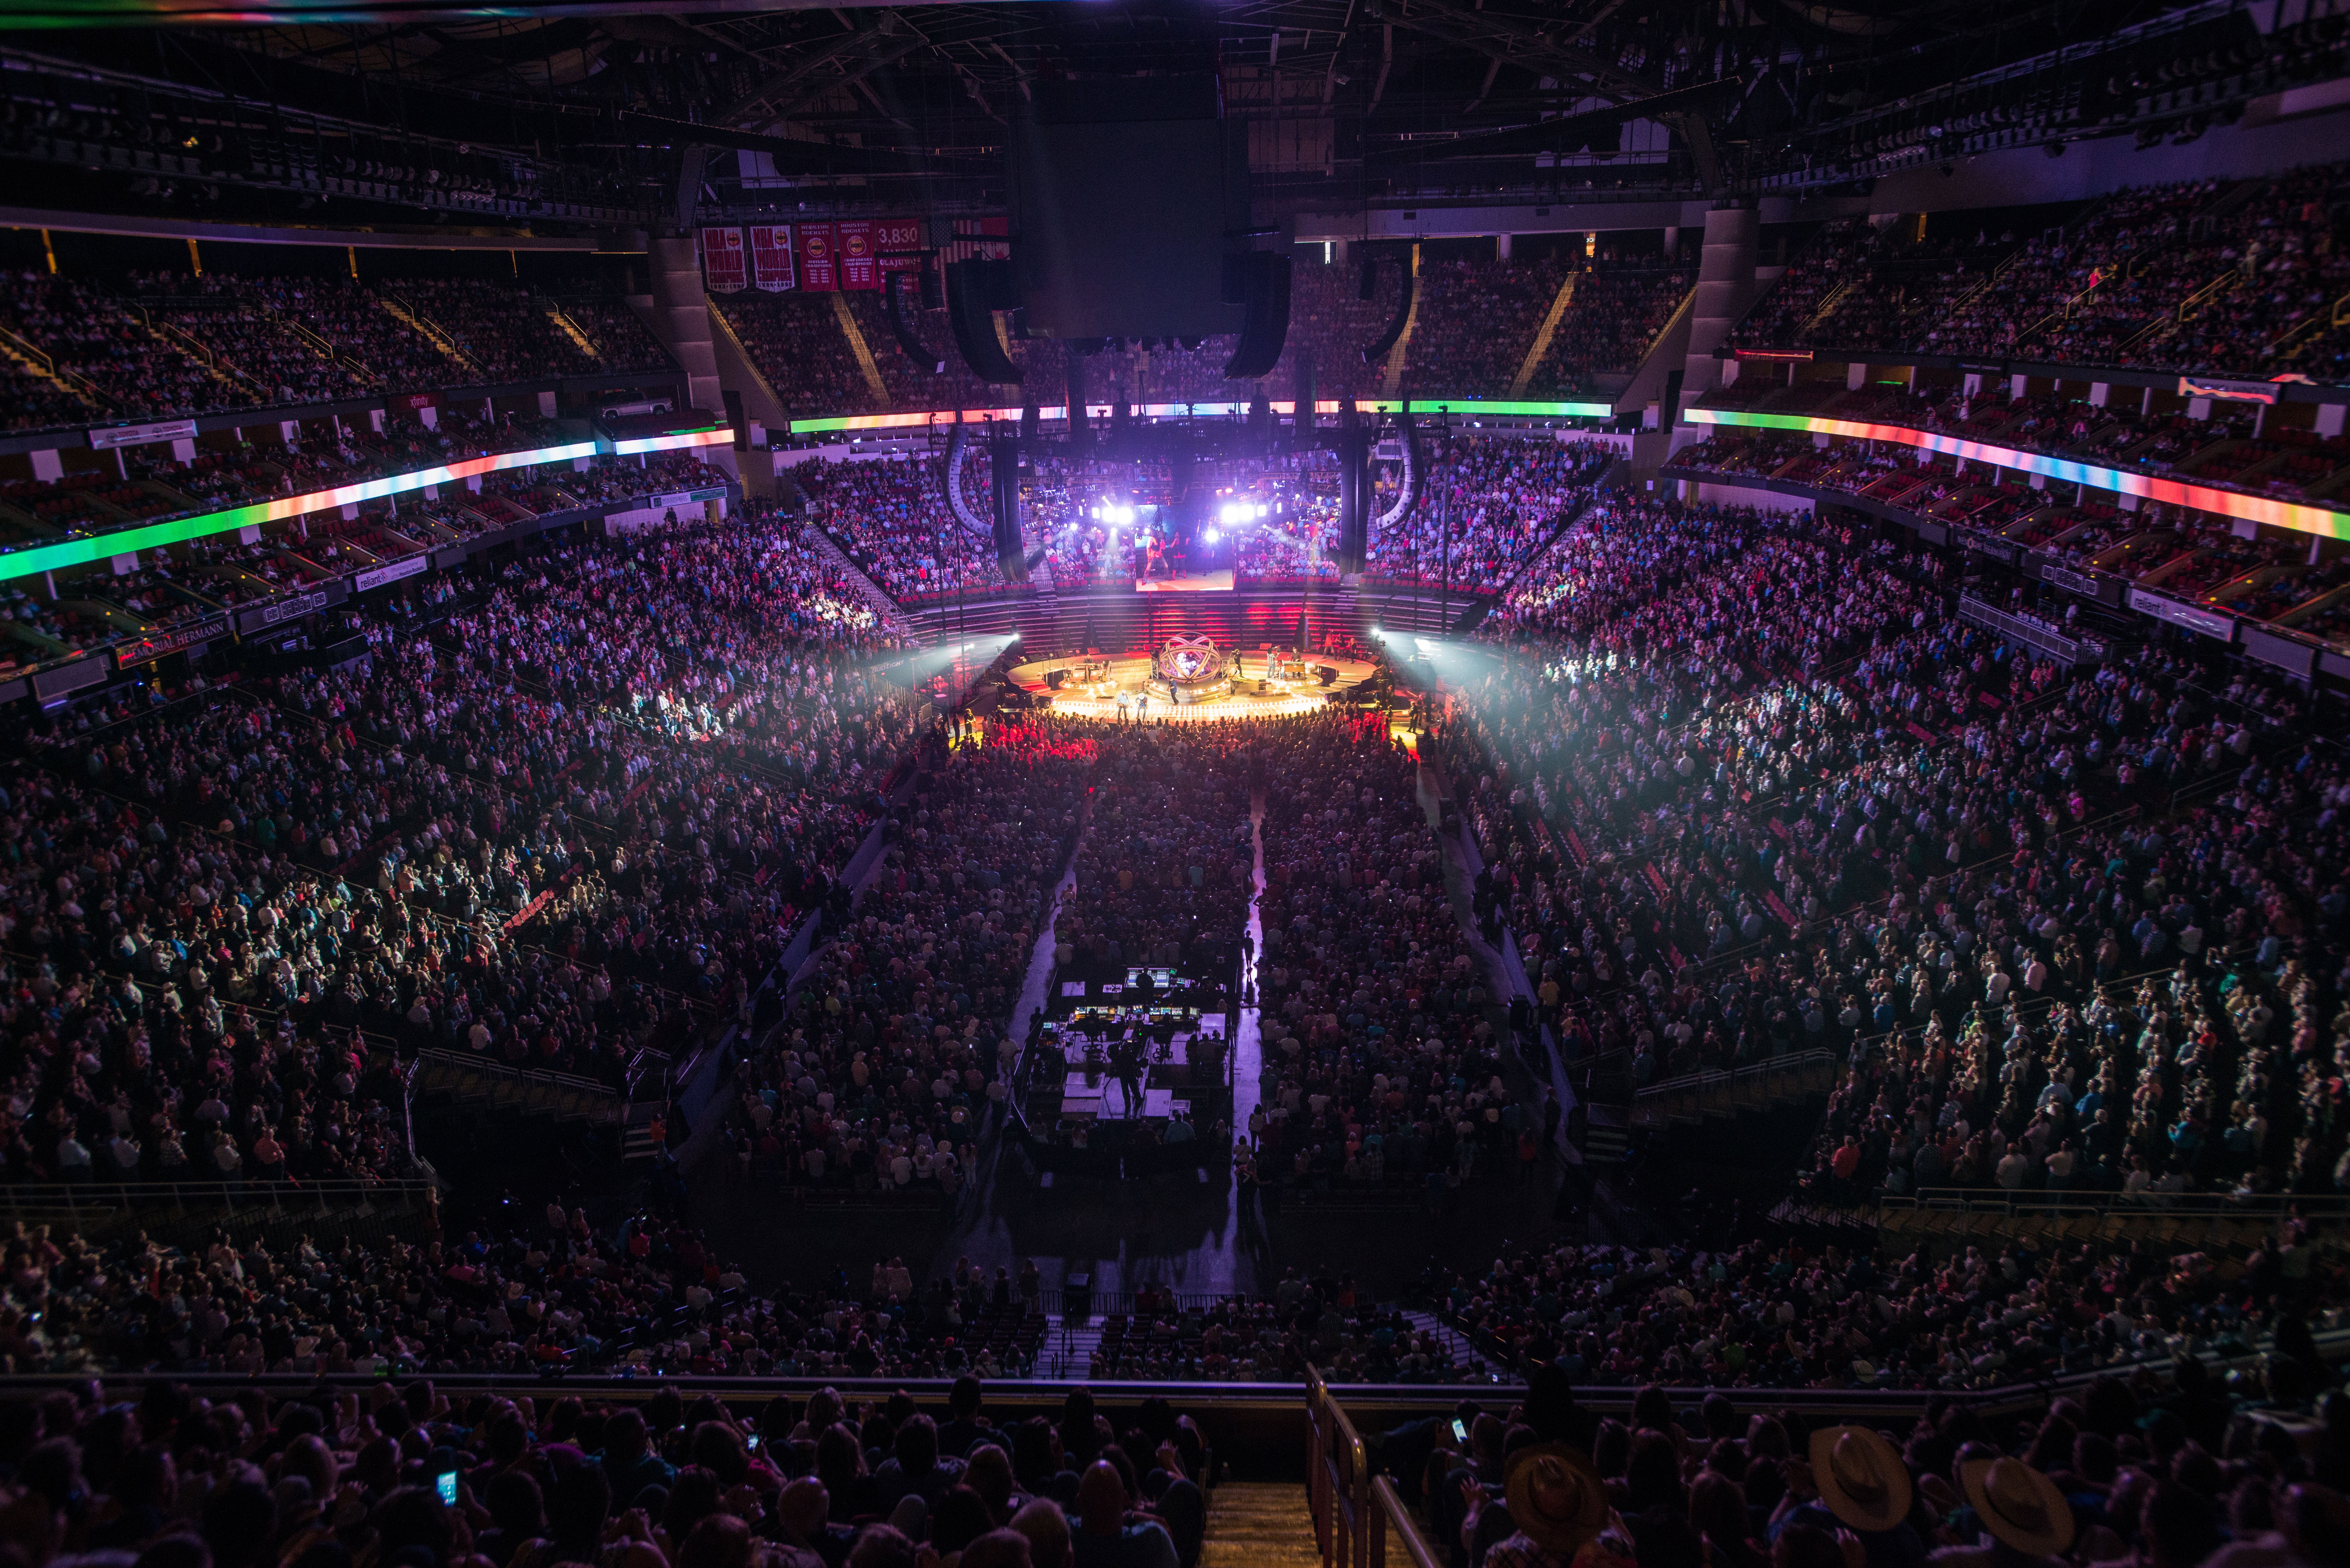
1127 194
1162 978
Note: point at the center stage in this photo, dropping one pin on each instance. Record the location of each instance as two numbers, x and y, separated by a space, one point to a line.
1095 686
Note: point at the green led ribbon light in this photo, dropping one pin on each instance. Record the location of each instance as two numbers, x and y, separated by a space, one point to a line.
105 546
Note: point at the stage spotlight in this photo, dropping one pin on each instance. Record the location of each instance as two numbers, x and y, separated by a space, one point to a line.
1212 536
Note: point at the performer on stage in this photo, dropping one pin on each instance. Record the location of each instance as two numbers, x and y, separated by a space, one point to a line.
1126 1063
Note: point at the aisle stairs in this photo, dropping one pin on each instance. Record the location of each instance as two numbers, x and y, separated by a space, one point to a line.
858 347
1259 1524
883 606
1540 345
425 327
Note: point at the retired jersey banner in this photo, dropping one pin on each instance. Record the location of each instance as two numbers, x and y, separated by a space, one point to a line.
859 266
819 257
771 258
899 243
722 261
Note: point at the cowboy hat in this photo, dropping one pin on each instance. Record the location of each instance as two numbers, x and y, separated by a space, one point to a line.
1556 1496
2019 1505
1861 1478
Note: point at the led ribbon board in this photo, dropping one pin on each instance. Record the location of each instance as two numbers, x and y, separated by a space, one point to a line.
2297 516
1466 407
123 542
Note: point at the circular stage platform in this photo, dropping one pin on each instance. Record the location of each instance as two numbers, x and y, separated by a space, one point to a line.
1111 686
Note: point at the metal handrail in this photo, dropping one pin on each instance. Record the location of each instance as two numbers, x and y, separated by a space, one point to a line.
2162 1205
1714 1077
547 1077
1337 1479
1393 1515
73 1198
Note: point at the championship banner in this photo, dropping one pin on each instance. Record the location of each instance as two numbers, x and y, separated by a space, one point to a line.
771 258
722 261
819 257
859 267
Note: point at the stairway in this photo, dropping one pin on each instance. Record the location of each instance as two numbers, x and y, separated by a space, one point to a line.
1259 1524
424 328
41 366
1040 614
1607 1134
570 329
884 607
637 1133
858 347
1540 346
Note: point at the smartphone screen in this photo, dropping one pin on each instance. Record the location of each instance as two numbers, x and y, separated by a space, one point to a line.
751 1443
447 1483
1459 1432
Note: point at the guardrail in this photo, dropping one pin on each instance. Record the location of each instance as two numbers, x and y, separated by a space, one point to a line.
1724 1088
1355 1512
466 1061
2031 634
2044 1205
79 1201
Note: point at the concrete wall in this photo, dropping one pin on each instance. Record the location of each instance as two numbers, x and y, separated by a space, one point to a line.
1725 287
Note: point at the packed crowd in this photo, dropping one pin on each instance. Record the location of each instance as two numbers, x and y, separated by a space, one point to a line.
1485 504
890 516
163 345
1858 824
1608 326
186 1479
576 816
1766 1314
1857 285
798 345
2271 576
1162 876
2185 1471
1381 1069
895 1046
2205 275
1474 323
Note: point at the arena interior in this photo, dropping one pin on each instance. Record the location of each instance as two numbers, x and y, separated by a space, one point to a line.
1141 783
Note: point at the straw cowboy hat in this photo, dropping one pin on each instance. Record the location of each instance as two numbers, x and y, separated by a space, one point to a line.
1861 1478
1556 1496
2019 1505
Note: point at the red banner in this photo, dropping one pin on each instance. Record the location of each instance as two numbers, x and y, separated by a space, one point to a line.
899 241
722 261
859 267
771 258
819 257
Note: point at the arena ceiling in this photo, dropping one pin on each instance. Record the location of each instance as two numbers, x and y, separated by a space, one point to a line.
1362 102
